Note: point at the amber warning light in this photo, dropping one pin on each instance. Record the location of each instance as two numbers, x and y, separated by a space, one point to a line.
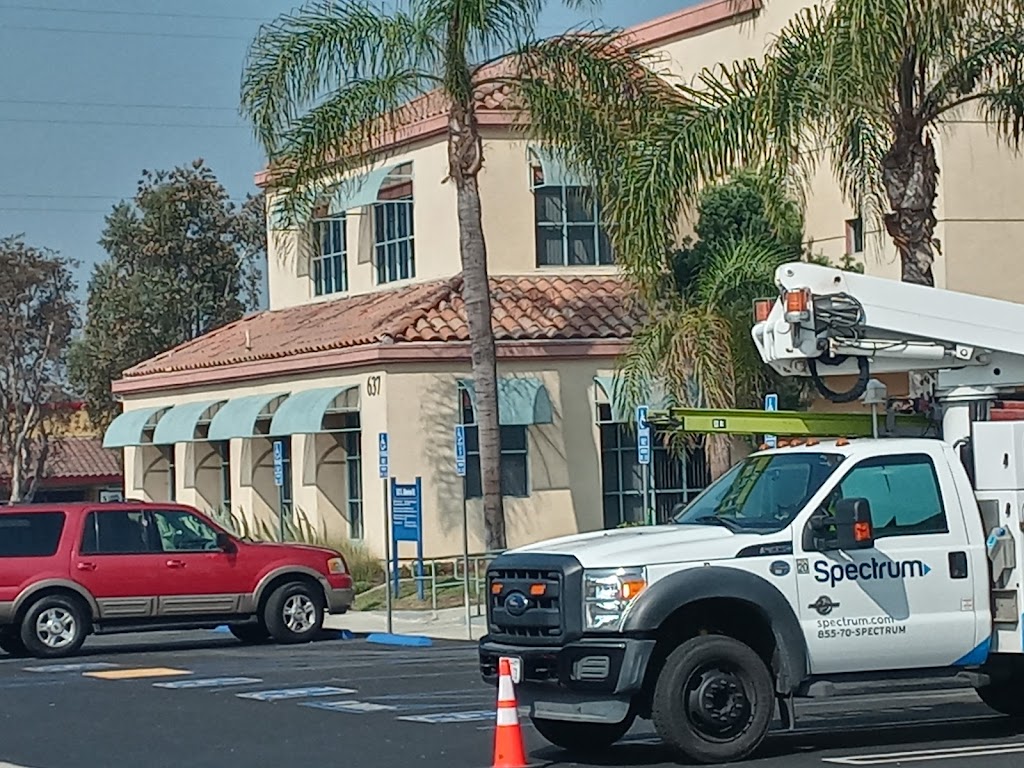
796 301
762 308
862 531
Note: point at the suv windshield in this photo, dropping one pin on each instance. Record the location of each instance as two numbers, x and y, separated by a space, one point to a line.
761 494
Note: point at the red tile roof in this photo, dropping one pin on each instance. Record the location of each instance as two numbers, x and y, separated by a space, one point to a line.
83 457
524 309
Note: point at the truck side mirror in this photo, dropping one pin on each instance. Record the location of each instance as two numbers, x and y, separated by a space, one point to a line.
853 524
224 542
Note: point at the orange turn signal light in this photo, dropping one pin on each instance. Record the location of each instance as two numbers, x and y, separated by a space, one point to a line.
797 301
536 590
496 588
762 308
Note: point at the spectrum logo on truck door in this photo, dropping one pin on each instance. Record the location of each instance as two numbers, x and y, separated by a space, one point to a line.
870 570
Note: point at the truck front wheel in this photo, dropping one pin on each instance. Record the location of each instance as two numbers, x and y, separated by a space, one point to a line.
582 738
714 700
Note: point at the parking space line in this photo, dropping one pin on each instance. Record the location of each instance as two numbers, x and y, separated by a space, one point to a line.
137 673
925 755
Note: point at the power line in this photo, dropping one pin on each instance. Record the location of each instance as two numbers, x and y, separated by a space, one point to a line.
118 123
121 32
114 105
104 12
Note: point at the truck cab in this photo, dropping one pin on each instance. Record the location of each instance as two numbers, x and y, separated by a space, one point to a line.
819 561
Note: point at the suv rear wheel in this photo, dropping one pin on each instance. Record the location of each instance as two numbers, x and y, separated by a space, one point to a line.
54 626
294 613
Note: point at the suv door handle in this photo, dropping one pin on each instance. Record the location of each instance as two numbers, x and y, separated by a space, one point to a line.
175 563
85 566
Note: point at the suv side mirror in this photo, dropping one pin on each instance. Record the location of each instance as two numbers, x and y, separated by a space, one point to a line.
853 524
224 542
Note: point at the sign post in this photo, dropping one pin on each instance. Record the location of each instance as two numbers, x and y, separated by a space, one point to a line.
771 403
643 456
279 482
460 470
407 524
382 451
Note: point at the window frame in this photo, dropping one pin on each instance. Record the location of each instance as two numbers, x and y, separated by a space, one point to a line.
320 258
909 459
153 513
93 515
223 451
467 410
599 233
392 200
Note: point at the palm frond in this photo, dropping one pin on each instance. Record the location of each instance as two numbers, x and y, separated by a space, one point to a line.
736 272
301 57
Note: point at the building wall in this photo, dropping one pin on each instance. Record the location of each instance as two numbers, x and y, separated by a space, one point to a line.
418 406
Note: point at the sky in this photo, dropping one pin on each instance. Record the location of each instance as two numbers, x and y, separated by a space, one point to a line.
94 91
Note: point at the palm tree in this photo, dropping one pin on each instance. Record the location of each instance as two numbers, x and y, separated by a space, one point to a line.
865 85
321 85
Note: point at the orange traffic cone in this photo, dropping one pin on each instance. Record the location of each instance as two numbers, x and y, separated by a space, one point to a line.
508 736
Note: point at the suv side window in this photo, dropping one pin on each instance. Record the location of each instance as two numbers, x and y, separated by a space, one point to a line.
118 532
31 535
903 492
184 532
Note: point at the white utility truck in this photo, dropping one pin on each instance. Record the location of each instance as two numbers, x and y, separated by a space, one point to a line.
832 560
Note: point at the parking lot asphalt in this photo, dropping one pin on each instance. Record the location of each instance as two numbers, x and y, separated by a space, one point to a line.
202 699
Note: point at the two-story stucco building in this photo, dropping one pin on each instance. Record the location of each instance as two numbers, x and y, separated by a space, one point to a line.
366 331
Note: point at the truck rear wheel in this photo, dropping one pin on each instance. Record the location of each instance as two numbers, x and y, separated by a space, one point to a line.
714 700
1004 696
582 738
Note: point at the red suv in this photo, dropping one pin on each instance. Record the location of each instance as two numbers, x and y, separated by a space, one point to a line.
68 570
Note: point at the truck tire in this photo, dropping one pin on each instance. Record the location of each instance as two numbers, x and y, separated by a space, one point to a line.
1004 696
713 700
582 738
294 613
54 627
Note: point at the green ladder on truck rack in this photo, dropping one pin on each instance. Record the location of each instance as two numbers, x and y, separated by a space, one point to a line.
782 423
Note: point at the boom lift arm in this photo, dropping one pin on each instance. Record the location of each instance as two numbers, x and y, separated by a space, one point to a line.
827 322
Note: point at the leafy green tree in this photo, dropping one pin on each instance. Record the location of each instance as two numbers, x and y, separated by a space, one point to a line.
37 318
183 259
321 86
695 339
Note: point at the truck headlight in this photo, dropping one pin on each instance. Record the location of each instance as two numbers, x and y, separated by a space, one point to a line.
607 593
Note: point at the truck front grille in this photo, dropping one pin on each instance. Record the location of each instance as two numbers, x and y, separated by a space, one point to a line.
531 598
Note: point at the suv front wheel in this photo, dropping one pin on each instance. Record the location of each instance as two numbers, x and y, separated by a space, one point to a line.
294 613
54 626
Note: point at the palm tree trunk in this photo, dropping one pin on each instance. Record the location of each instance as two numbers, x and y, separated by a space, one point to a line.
465 156
911 175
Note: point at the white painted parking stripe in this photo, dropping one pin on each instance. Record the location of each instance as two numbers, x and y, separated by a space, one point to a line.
215 682
295 693
83 667
925 755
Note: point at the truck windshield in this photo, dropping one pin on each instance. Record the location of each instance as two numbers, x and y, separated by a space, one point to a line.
761 494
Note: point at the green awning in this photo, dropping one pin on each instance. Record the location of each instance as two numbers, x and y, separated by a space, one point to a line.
302 413
128 428
178 425
556 173
606 385
360 191
521 401
238 416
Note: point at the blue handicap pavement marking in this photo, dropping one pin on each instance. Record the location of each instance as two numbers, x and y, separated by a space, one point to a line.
214 682
295 693
383 638
441 718
350 707
82 667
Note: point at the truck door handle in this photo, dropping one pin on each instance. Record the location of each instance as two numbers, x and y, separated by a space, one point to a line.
958 565
175 564
85 566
